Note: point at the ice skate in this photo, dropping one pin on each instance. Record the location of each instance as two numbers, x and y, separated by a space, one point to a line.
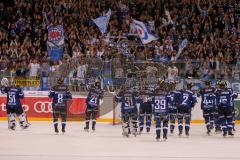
208 132
148 130
230 133
125 134
164 137
86 129
63 130
224 134
234 129
180 133
56 130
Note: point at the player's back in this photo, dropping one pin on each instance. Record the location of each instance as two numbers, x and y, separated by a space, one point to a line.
94 96
145 96
14 94
160 101
173 99
225 97
208 98
60 95
128 100
187 99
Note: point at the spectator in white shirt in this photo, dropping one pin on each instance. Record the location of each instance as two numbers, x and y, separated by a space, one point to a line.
172 71
34 68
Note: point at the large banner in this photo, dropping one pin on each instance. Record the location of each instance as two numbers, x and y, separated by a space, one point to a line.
55 42
41 107
139 28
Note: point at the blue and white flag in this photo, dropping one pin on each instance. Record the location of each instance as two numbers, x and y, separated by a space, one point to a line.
181 47
55 42
139 28
102 22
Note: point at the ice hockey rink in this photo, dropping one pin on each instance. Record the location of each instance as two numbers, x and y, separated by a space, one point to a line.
39 142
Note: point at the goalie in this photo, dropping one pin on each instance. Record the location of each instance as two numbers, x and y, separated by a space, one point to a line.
14 106
129 112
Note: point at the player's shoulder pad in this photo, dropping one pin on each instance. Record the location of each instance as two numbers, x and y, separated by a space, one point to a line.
14 89
176 91
189 91
230 89
19 89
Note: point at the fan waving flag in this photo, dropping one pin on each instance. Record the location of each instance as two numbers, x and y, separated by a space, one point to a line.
182 45
139 28
102 22
55 42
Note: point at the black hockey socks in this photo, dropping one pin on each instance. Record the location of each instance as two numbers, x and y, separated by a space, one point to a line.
93 125
87 125
63 127
187 128
56 128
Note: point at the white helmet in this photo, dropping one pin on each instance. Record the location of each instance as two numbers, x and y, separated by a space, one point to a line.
5 82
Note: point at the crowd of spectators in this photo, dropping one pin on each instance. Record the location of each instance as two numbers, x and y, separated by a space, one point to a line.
212 28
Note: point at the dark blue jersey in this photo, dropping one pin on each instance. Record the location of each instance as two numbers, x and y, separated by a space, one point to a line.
187 99
14 94
128 100
60 95
208 98
93 98
234 95
173 99
160 101
225 97
145 96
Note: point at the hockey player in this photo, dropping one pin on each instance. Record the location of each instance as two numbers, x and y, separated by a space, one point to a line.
92 105
225 97
14 107
234 119
161 110
187 101
233 112
216 113
145 100
208 105
129 112
173 97
60 97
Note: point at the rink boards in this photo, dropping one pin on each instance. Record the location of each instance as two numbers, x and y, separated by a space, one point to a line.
38 108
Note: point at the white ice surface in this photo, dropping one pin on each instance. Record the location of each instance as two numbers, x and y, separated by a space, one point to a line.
40 143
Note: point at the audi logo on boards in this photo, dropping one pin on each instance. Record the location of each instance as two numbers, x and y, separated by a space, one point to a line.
43 107
25 107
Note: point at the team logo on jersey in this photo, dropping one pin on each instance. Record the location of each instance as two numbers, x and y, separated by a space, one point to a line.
43 107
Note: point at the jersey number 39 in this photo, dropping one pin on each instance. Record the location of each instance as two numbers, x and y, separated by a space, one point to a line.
160 104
